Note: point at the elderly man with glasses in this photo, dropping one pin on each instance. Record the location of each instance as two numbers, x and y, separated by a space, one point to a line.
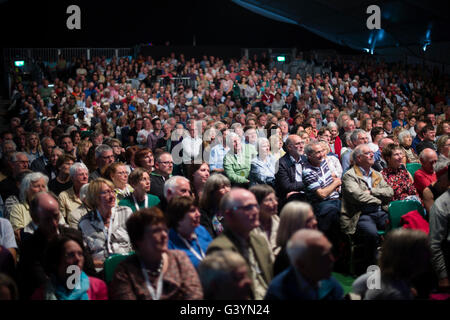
104 156
365 196
241 214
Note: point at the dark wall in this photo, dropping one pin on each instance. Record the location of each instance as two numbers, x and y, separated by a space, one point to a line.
192 52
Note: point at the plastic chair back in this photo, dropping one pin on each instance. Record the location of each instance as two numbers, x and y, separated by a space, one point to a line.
398 208
413 167
111 263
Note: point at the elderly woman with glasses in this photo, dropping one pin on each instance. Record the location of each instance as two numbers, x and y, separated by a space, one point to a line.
103 228
144 158
118 174
268 215
396 175
405 141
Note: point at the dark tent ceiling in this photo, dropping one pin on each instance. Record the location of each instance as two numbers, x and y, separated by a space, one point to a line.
406 26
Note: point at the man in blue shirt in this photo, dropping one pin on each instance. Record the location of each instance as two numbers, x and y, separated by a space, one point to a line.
218 152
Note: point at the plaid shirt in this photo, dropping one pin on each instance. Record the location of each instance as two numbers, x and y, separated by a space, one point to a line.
315 178
95 233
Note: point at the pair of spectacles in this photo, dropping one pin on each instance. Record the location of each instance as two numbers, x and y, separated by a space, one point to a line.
247 207
166 162
107 192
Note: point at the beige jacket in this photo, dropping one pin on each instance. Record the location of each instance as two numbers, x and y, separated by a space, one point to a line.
354 196
68 202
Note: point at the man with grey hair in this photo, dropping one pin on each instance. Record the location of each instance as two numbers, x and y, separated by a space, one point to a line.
225 276
365 196
237 161
322 190
40 163
104 156
241 216
19 163
309 275
69 199
176 186
357 137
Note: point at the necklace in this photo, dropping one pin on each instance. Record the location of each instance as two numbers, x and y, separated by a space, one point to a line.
157 271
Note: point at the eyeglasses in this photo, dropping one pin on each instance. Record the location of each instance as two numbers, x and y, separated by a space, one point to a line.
107 192
122 173
247 207
166 162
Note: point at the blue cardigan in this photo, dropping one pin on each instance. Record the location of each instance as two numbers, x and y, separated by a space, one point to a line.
204 239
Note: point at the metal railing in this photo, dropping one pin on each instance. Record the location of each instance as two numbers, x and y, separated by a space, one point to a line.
176 81
52 54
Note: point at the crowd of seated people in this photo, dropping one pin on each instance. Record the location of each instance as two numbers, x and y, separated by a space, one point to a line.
250 184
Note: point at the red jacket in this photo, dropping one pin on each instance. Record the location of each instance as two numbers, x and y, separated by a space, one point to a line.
338 146
413 220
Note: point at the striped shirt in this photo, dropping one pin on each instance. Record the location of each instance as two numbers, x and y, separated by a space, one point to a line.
315 178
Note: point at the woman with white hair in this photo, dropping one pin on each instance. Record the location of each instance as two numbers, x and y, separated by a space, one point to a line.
405 141
264 166
31 184
69 199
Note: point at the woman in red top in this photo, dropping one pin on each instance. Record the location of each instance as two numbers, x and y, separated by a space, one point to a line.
396 174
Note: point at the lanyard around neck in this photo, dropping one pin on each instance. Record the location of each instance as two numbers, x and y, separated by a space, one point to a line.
155 295
200 256
107 232
136 204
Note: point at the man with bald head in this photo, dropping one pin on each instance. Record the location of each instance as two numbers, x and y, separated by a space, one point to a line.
309 276
288 178
425 175
44 210
241 213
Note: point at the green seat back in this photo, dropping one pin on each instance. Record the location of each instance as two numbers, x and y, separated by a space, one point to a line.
111 263
398 208
413 167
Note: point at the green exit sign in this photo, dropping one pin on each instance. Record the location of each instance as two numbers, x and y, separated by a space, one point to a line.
281 59
19 63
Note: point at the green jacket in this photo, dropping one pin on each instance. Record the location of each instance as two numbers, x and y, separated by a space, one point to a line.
237 167
228 241
354 196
